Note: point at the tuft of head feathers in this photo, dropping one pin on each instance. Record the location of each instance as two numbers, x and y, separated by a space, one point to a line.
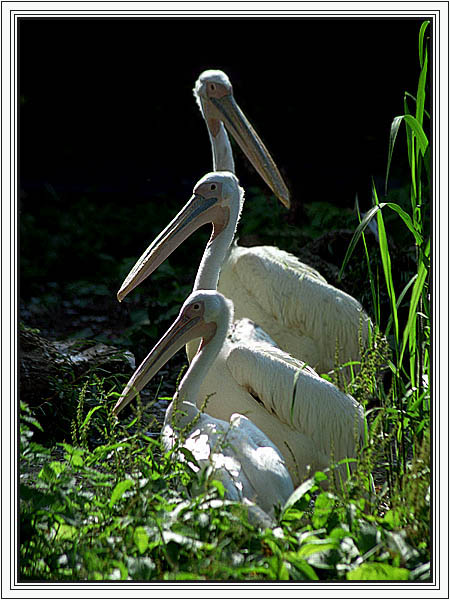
229 181
210 76
216 306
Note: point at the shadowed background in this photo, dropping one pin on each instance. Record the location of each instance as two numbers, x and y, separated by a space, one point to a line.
112 141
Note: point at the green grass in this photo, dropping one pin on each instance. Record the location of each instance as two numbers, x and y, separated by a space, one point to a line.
110 504
123 511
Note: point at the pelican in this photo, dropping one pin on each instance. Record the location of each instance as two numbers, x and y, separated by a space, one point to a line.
239 454
309 318
308 419
304 315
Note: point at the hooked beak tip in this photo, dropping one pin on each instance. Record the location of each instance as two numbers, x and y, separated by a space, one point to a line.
121 294
119 405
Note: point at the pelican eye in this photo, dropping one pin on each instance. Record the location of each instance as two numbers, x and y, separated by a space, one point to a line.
212 87
196 306
213 186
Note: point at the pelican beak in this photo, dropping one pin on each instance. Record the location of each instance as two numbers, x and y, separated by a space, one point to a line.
252 146
182 331
197 212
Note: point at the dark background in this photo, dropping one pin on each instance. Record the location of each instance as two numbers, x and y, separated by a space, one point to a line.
112 141
109 102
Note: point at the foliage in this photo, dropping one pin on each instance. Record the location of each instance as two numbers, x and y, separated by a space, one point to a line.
407 403
122 511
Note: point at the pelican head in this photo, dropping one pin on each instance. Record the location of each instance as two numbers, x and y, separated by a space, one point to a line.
216 197
198 318
214 94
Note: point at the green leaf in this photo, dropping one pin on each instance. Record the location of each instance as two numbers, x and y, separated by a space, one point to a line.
119 490
51 471
339 533
408 95
370 214
292 514
423 28
358 232
386 262
140 538
371 571
182 576
319 552
89 415
283 572
323 508
409 140
409 333
67 532
74 456
392 137
392 519
399 301
219 487
301 565
412 125
299 493
416 127
406 219
420 105
122 568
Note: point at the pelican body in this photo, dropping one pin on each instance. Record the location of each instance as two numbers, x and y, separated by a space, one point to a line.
237 452
308 419
304 315
293 303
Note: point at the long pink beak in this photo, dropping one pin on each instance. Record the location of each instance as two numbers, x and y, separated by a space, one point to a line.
183 330
194 214
251 144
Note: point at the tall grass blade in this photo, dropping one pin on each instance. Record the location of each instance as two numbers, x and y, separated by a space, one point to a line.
420 104
426 162
414 127
410 329
365 222
399 301
422 31
359 230
392 137
408 95
386 262
406 219
375 302
409 140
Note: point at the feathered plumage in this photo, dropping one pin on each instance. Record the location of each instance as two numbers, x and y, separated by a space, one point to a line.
235 451
301 312
308 419
293 303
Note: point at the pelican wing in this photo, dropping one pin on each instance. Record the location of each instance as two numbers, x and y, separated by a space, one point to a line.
261 462
246 330
298 397
294 304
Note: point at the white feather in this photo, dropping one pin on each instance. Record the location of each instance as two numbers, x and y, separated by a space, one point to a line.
305 315
289 300
233 450
308 419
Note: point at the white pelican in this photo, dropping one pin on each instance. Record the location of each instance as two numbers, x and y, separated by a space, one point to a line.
239 454
307 317
293 303
307 418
